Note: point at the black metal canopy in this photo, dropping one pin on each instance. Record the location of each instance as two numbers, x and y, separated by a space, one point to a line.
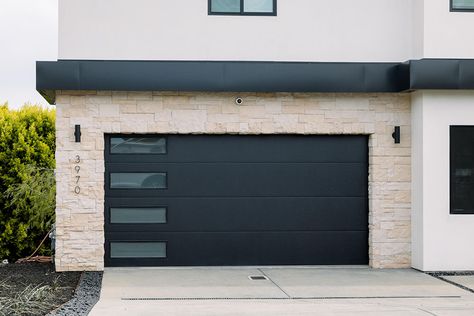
252 76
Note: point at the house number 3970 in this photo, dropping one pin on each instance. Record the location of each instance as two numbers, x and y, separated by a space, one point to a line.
77 177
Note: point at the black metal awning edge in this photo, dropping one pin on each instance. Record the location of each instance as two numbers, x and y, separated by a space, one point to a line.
252 76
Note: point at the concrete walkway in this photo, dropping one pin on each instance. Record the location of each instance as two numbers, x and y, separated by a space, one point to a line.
281 291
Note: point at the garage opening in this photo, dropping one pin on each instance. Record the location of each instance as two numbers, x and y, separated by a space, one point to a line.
206 200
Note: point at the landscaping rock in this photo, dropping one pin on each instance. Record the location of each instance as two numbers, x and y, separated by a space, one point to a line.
86 296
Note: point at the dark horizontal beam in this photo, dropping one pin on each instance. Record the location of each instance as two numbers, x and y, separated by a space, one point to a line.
449 74
241 76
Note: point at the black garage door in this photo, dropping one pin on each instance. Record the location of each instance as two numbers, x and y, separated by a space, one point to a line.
236 200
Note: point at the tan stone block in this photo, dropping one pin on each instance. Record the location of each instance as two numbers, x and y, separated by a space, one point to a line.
119 95
140 95
98 99
149 106
223 118
128 106
178 102
109 110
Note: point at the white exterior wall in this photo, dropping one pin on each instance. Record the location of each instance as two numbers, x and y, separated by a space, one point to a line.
440 241
304 30
447 34
439 33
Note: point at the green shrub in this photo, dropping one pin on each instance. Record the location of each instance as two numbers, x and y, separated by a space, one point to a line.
27 145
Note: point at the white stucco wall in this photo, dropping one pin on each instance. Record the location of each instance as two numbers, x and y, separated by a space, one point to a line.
440 241
447 34
304 30
418 16
439 33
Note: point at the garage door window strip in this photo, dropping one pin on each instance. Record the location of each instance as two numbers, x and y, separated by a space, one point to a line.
138 215
143 145
138 180
148 249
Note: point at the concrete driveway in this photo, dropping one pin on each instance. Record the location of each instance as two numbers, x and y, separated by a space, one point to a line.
278 291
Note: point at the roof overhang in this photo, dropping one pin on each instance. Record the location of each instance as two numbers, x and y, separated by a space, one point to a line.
246 76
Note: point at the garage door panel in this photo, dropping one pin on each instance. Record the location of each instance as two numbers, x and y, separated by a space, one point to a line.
245 179
244 214
262 148
259 248
182 200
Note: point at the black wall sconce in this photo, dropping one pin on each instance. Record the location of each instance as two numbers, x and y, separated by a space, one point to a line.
77 133
396 135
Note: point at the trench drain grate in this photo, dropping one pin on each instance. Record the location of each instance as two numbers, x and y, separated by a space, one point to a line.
281 298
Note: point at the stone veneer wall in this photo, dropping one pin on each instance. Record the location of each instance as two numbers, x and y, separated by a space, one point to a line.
80 217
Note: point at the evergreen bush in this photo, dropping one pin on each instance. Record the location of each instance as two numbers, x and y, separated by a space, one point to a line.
27 200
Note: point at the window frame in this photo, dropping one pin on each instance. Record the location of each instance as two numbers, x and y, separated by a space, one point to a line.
452 168
242 12
453 9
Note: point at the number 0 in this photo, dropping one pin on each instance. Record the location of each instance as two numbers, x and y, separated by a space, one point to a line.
77 190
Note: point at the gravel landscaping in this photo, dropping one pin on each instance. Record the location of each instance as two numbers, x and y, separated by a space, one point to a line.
85 297
34 288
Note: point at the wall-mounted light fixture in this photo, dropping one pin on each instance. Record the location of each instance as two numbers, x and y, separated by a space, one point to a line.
77 133
396 135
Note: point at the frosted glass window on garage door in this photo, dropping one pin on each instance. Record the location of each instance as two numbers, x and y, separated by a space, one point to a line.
137 145
138 250
132 180
137 215
463 4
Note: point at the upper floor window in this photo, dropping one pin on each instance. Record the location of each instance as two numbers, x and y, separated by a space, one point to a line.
242 7
462 5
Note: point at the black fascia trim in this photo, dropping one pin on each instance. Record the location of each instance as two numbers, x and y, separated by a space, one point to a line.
219 76
242 12
452 9
448 74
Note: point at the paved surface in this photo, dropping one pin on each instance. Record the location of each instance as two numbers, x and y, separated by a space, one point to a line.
464 280
288 291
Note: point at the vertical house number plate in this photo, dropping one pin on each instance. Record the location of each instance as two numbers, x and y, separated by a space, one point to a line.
77 176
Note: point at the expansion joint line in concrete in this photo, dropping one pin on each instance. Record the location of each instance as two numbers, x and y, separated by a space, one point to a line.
274 283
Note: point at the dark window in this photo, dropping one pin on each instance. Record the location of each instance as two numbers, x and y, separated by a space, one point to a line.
462 169
242 7
462 5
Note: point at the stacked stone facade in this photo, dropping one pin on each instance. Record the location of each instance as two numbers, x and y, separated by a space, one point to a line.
80 216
